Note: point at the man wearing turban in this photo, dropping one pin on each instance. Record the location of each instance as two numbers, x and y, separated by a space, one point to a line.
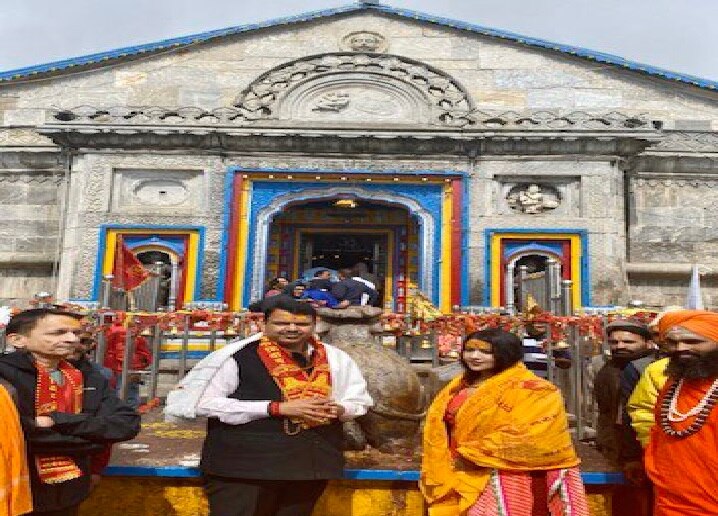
682 454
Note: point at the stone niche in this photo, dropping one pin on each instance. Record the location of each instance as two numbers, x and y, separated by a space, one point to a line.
538 196
163 192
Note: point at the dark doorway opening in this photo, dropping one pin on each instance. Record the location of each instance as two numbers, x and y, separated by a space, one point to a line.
336 250
344 250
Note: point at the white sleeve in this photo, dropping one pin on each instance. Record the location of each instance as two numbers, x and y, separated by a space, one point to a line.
216 403
349 388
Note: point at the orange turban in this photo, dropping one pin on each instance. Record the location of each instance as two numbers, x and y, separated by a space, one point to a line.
702 322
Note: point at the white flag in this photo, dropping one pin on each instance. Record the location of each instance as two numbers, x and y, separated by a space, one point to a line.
694 299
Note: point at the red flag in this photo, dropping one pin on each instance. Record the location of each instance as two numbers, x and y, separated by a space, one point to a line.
128 270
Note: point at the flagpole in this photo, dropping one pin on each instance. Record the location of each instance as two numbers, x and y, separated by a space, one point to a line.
119 263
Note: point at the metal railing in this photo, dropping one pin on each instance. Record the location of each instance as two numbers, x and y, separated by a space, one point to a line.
174 342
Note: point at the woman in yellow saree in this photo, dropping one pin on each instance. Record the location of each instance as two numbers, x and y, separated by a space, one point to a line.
496 440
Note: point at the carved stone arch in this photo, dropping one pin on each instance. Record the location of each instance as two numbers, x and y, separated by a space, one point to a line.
353 87
427 227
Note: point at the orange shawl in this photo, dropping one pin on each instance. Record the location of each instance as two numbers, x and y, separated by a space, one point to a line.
684 470
15 495
512 421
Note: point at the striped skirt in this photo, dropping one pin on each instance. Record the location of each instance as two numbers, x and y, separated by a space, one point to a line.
556 492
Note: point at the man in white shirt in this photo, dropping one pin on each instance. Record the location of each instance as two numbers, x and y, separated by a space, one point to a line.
275 408
362 275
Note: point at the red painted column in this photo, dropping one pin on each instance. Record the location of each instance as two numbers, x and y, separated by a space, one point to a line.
234 207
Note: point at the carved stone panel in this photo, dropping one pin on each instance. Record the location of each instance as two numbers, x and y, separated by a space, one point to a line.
390 77
533 199
158 191
364 41
538 196
353 98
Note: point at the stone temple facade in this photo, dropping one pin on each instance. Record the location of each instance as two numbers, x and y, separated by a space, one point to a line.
439 153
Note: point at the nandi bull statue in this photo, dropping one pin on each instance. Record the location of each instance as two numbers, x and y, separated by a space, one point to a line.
393 422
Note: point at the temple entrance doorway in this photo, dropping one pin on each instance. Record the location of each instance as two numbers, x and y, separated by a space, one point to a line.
342 232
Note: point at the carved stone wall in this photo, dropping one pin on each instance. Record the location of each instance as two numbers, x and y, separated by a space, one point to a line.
168 192
661 291
592 200
674 220
371 72
18 283
544 196
358 88
31 189
91 207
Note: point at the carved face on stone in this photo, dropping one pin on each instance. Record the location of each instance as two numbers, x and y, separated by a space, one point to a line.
364 41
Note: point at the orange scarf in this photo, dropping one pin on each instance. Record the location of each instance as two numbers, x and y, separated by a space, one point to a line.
512 421
51 397
15 497
292 380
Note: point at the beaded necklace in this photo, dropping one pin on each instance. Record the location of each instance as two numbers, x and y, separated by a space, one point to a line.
670 413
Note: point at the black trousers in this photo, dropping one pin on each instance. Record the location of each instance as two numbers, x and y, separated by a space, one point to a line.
248 497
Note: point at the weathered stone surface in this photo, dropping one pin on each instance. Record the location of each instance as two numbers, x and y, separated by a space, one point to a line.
678 216
553 98
17 283
598 99
662 252
540 79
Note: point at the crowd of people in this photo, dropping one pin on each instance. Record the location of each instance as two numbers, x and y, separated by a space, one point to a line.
353 287
496 438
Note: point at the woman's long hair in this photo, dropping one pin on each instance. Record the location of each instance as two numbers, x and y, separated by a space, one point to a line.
506 348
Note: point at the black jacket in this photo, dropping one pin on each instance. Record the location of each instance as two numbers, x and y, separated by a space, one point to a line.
352 290
104 419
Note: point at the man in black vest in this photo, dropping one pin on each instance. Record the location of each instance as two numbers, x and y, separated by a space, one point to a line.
275 409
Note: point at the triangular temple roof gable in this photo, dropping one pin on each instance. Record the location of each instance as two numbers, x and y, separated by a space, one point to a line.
176 43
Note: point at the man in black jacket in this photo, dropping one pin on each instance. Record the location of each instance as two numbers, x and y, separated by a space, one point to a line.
68 412
351 290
